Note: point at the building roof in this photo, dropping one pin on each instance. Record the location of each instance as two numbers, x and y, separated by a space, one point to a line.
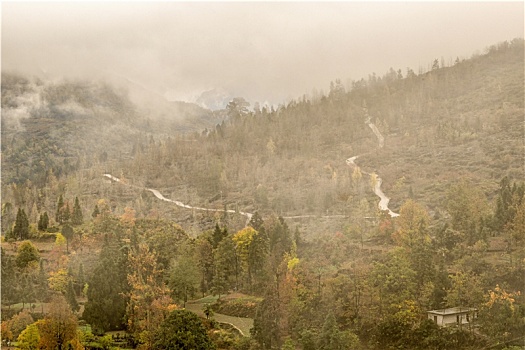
452 311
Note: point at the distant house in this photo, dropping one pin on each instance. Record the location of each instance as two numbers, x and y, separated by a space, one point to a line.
453 316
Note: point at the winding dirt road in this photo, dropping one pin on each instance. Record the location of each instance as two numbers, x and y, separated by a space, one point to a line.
384 200
383 203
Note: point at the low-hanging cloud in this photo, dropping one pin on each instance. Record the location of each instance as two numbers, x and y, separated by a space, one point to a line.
262 51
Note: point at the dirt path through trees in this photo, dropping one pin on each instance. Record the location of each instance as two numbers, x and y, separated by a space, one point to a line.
376 180
242 324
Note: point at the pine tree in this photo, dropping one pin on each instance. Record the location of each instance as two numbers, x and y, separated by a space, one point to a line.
66 213
331 338
67 232
43 222
26 254
21 229
8 278
266 324
106 308
218 235
226 273
77 218
40 217
81 279
256 222
95 212
60 204
42 286
71 298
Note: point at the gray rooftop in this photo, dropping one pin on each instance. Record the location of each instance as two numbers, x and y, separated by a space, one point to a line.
453 311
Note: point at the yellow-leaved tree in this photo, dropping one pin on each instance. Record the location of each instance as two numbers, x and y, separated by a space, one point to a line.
252 250
500 317
149 300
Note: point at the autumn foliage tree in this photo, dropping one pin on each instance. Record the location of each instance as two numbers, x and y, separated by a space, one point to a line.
148 296
252 249
27 254
501 317
29 339
412 225
59 327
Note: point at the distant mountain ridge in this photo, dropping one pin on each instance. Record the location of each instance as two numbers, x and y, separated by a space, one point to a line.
214 99
53 125
453 122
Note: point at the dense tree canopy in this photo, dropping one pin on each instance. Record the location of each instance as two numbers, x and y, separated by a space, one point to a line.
182 330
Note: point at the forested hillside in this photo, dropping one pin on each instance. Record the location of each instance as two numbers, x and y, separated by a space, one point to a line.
67 126
134 234
464 121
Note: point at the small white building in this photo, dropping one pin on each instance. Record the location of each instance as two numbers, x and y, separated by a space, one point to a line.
453 316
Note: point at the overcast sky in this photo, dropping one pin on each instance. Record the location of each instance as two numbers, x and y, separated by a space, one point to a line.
262 51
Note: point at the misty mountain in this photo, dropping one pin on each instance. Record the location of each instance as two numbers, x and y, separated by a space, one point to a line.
214 99
276 200
62 126
460 121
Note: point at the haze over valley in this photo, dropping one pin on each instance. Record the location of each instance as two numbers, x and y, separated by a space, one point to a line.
263 175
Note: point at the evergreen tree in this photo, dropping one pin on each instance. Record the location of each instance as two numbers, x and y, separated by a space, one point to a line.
60 204
509 198
331 338
21 229
279 241
42 286
67 232
71 298
95 212
43 222
184 277
77 218
205 258
226 273
106 306
81 279
66 213
256 222
182 329
26 254
218 235
266 330
8 278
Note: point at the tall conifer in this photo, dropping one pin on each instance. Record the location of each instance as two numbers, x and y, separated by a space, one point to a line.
77 218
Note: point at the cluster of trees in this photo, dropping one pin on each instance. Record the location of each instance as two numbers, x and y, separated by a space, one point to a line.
367 286
157 266
56 330
329 288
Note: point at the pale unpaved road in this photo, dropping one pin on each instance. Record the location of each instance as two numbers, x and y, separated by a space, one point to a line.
383 202
243 324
